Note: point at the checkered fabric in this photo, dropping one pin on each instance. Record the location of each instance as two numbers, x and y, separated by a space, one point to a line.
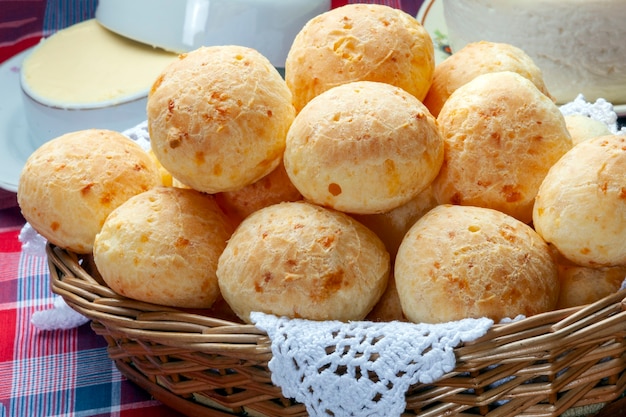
53 373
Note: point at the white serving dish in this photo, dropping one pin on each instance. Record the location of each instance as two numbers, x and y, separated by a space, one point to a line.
47 122
102 82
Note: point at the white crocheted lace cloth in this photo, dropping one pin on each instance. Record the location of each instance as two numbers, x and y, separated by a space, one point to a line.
360 368
600 110
139 134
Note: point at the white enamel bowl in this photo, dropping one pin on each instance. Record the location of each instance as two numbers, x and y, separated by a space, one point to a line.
86 77
269 26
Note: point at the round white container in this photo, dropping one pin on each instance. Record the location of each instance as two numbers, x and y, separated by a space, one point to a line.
86 76
269 26
578 44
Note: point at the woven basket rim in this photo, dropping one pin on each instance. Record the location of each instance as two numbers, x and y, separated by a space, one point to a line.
550 363
175 327
150 322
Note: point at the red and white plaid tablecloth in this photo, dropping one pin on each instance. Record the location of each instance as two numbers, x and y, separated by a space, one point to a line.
53 373
58 373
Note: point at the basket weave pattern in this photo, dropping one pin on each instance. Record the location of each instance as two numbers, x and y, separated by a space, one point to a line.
562 362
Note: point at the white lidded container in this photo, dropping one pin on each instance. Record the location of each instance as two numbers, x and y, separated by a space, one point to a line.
269 26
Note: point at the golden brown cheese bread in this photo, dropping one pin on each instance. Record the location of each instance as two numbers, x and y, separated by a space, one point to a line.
363 147
475 59
501 137
581 128
296 259
166 177
275 187
582 285
70 184
359 42
388 307
218 118
162 247
464 261
581 203
391 226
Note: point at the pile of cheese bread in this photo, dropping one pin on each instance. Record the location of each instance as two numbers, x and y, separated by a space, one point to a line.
368 183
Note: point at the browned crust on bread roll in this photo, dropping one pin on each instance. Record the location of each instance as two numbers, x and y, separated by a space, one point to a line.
581 285
388 307
391 226
275 187
501 137
363 147
475 59
464 261
70 184
162 247
297 259
218 118
359 42
581 203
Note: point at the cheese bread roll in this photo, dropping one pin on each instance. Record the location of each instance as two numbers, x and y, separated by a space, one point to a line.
464 261
299 260
360 42
162 247
363 147
218 118
501 137
475 59
70 184
581 203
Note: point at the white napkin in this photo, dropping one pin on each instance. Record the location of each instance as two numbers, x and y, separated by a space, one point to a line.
60 317
33 244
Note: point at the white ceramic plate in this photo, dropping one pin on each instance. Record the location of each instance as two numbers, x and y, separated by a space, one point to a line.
431 16
15 146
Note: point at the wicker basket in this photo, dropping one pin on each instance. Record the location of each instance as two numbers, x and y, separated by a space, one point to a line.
566 362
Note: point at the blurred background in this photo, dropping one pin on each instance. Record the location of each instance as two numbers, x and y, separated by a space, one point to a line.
24 22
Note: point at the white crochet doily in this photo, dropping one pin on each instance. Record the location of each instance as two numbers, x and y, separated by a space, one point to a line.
360 368
601 110
139 134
